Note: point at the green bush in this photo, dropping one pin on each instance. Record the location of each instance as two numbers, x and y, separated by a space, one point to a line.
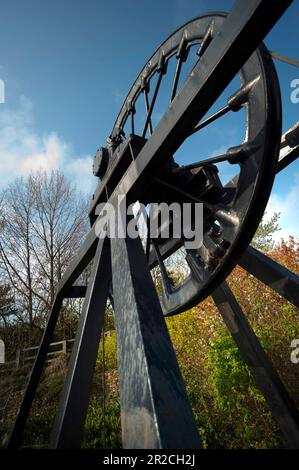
110 352
102 428
38 428
244 419
230 411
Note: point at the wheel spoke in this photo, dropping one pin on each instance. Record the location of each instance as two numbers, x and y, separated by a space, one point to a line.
175 189
164 274
131 111
234 155
150 111
210 119
206 39
181 55
132 124
235 103
176 79
147 107
208 161
220 212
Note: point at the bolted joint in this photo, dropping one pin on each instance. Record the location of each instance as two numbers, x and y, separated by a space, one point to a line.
130 107
162 64
182 52
144 84
100 162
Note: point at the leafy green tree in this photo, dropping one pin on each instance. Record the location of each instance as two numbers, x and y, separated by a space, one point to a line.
263 238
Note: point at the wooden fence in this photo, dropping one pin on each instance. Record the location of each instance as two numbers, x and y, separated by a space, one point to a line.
26 356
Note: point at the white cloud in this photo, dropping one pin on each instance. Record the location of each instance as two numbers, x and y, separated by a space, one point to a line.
288 207
80 171
22 150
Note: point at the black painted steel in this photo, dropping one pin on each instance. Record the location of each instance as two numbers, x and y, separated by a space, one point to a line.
70 418
282 406
155 410
280 279
288 159
16 435
289 147
76 292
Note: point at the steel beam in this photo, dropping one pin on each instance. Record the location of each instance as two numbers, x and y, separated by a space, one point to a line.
289 149
287 159
267 379
155 410
68 427
273 274
76 292
16 435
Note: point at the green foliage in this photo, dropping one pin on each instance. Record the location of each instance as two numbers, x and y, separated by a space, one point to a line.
229 374
237 399
263 238
110 352
102 427
49 390
229 410
38 428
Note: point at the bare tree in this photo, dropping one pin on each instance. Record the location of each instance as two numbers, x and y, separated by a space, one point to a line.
7 305
43 223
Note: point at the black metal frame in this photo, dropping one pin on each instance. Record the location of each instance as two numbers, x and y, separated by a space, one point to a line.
155 409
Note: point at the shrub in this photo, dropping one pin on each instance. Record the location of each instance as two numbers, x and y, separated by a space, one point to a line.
102 427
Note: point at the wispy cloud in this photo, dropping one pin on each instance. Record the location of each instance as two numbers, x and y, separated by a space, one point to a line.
23 150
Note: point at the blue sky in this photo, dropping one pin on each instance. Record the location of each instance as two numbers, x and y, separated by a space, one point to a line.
68 64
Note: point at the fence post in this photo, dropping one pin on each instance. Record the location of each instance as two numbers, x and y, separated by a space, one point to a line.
64 346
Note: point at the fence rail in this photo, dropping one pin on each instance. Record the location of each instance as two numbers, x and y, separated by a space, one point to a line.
26 356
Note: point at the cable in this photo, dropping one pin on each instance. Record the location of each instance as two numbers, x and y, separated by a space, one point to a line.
282 58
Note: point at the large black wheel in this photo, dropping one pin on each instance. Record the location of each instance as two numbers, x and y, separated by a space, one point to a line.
232 209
